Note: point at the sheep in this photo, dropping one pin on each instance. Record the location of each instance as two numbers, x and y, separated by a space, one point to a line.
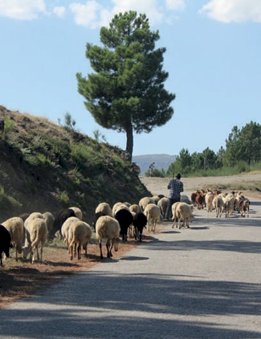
15 226
155 199
65 228
125 219
209 200
185 198
131 228
79 234
108 228
36 236
229 203
218 204
5 243
163 203
135 208
244 207
181 211
198 199
60 219
144 202
152 212
119 206
103 208
49 218
239 198
139 222
32 216
77 212
174 214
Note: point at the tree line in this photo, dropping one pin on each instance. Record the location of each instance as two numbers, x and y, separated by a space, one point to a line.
242 152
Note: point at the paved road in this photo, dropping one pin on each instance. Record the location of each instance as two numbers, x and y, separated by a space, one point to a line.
202 282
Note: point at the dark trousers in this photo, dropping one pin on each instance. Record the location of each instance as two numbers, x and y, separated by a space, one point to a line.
171 201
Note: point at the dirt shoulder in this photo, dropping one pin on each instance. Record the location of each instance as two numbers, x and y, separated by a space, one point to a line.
20 279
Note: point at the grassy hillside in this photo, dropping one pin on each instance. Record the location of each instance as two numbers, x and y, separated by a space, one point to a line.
44 167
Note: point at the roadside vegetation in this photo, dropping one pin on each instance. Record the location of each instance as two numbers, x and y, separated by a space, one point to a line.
241 154
45 167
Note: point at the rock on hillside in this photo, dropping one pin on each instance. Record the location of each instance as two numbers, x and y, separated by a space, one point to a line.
45 167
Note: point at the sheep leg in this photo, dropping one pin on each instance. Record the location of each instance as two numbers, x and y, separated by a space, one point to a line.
37 252
78 250
32 255
85 249
71 250
109 248
100 246
41 253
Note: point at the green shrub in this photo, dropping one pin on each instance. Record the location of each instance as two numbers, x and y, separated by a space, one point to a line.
63 197
8 126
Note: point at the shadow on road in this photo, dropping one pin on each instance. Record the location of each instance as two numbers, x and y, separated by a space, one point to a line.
114 302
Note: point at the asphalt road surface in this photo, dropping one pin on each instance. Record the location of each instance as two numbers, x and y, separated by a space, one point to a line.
203 282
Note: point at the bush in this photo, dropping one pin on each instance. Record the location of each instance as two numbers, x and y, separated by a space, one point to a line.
155 172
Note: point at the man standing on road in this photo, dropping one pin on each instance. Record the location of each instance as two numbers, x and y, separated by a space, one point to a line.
175 187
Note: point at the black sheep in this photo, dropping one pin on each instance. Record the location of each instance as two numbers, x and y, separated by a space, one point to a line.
125 219
60 219
5 243
139 222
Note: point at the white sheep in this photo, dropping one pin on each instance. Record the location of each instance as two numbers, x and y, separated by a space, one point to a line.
144 202
65 228
152 212
77 212
135 208
163 203
32 216
229 204
103 208
209 200
36 235
15 226
119 206
182 211
79 235
49 218
218 204
108 228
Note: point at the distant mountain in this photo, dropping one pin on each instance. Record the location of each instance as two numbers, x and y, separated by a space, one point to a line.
161 161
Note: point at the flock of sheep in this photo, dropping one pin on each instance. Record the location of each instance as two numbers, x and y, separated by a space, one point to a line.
29 233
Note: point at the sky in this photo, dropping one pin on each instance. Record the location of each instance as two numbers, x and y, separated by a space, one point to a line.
213 58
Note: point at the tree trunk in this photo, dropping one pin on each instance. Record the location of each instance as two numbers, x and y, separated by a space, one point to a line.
129 142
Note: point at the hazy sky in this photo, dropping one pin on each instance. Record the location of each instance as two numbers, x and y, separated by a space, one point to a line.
213 59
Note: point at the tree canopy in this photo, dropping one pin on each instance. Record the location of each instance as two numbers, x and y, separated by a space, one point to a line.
244 144
126 90
243 148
